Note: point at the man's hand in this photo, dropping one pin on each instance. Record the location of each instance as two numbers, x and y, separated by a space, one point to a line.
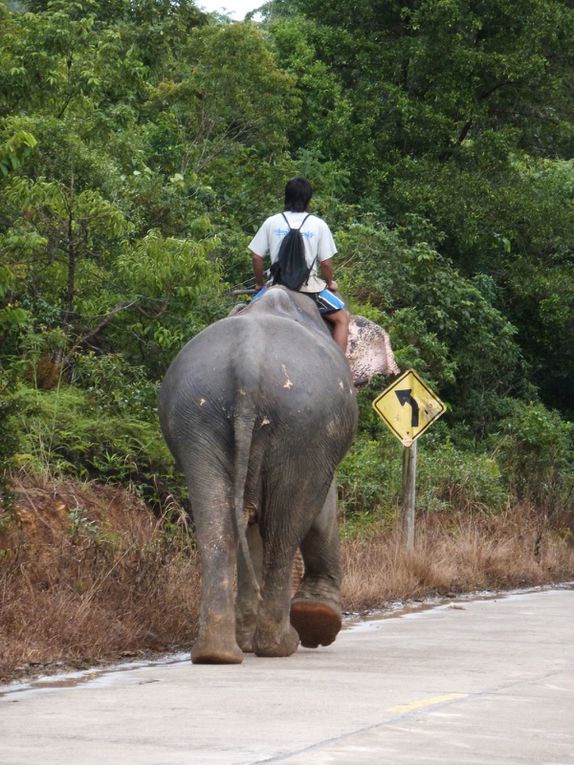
258 271
327 274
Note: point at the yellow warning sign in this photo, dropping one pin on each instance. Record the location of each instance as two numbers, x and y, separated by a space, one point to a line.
408 407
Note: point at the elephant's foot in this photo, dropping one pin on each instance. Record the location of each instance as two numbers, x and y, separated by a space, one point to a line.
245 623
317 623
266 643
207 651
245 640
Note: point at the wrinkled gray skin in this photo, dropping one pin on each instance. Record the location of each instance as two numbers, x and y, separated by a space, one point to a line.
258 410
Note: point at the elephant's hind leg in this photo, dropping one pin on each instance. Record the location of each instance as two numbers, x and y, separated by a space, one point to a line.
212 512
274 635
316 623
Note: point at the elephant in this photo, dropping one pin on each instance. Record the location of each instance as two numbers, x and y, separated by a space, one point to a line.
258 410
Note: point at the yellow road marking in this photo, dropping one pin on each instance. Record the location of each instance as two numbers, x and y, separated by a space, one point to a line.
402 708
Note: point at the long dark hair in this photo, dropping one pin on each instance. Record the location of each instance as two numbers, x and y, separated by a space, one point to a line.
298 193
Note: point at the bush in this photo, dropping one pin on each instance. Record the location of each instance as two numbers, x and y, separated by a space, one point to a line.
534 448
453 479
369 478
116 386
63 433
8 440
442 323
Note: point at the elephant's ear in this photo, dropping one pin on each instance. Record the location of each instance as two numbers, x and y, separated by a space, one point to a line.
369 351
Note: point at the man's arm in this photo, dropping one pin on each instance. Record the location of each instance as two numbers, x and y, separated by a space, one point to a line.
258 270
327 274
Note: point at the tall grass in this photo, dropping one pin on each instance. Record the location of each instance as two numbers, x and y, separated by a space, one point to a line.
89 574
455 553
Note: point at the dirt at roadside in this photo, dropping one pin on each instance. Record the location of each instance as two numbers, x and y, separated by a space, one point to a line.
43 511
90 574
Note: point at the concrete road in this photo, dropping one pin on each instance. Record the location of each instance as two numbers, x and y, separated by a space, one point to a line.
467 683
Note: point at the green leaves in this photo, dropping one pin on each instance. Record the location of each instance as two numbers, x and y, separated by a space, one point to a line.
443 324
160 267
534 446
14 150
142 143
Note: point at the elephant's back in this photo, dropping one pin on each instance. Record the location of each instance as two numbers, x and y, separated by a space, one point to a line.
255 348
294 381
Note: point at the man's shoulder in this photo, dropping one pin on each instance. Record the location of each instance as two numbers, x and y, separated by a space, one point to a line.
274 220
321 223
314 221
321 226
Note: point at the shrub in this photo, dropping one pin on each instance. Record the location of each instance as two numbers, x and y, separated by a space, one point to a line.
8 440
534 448
454 479
369 478
448 478
65 434
116 386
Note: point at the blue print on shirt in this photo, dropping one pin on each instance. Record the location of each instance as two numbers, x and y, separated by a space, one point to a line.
281 232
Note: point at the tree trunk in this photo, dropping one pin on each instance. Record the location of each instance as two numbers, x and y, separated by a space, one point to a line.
72 257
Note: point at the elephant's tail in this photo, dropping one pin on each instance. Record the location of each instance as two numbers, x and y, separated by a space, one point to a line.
243 426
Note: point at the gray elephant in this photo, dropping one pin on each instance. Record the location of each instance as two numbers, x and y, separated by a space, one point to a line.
258 410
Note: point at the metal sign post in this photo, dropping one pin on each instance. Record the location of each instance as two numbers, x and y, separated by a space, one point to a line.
409 494
408 406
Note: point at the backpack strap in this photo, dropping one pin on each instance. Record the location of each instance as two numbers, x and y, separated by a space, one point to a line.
300 227
306 282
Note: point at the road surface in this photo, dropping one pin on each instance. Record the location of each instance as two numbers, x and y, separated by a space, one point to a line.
480 682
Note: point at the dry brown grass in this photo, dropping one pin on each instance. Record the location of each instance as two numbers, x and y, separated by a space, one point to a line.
455 553
88 573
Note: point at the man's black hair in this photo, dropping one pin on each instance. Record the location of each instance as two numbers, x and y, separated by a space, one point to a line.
298 193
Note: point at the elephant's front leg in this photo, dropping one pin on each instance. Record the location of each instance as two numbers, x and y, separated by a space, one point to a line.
316 608
212 513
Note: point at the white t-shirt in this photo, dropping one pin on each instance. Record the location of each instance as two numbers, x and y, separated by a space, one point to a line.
319 243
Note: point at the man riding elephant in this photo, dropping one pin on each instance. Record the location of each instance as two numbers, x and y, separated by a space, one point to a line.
319 250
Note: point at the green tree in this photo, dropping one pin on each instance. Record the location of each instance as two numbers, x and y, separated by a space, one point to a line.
457 113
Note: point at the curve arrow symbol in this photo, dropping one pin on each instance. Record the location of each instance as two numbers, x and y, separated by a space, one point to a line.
405 397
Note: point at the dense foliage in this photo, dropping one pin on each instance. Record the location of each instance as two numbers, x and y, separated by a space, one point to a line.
143 141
